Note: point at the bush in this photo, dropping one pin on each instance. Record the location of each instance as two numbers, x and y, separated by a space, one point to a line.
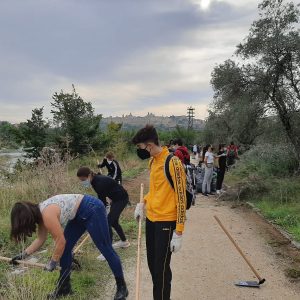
268 160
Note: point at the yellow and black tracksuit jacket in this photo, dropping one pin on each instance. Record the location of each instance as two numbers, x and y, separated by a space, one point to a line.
163 203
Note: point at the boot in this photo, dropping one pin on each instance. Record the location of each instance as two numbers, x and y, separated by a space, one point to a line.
122 291
63 288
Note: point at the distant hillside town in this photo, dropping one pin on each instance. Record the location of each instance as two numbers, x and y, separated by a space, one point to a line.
161 122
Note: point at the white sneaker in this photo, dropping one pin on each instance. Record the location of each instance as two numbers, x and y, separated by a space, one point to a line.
121 244
219 192
101 257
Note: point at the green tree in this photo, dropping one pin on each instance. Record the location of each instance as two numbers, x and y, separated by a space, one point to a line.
35 131
10 135
273 50
235 112
78 125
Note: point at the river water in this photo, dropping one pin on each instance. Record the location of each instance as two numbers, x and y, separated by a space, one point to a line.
12 158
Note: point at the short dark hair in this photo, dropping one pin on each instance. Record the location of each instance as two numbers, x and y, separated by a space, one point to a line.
221 146
84 172
146 135
110 155
178 142
24 218
232 143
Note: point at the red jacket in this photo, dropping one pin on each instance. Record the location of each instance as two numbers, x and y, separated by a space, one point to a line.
183 154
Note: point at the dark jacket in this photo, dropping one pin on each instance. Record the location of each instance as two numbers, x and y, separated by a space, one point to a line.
114 170
222 160
106 187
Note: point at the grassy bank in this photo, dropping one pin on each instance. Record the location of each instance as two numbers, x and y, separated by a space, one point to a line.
39 183
267 180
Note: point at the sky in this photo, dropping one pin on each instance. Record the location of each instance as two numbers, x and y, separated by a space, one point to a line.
125 56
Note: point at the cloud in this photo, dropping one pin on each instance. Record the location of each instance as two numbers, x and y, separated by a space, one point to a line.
124 56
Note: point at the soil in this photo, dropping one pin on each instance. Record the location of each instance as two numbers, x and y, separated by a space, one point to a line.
208 265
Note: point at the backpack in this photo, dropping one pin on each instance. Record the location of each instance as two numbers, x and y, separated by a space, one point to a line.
231 153
190 195
189 182
186 156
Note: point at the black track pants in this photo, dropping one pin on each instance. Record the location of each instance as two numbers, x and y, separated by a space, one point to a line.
158 238
220 178
113 218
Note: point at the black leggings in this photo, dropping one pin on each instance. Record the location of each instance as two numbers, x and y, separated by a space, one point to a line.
113 218
220 178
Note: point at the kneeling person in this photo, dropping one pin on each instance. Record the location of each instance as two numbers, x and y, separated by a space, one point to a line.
80 213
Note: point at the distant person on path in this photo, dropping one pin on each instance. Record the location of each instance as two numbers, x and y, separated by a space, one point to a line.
195 150
80 213
106 187
198 150
165 208
113 167
209 167
232 154
181 151
222 157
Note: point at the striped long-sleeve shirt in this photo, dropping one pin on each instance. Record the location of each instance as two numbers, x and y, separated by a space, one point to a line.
113 168
164 203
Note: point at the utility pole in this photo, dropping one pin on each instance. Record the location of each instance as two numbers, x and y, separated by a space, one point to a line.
191 116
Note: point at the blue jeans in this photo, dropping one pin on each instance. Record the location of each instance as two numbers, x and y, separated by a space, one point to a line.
91 217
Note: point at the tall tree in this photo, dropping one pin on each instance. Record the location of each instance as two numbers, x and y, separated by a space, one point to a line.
35 130
79 126
273 50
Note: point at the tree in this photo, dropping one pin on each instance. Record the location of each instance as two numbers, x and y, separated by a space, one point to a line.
10 135
235 111
267 83
35 131
273 47
79 126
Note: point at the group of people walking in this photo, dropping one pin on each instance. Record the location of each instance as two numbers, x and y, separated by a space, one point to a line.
68 216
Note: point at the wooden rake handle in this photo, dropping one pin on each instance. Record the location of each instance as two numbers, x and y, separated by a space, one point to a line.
24 263
261 280
81 244
138 265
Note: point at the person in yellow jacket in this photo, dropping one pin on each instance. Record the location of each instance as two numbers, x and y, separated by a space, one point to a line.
165 206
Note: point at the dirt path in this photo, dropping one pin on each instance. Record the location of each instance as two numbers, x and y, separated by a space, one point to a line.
208 265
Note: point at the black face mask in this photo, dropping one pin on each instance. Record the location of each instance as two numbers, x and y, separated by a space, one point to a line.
143 153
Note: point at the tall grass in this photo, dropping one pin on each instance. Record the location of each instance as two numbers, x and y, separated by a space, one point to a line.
265 176
37 183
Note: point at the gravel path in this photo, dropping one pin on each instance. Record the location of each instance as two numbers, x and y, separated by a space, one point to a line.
208 264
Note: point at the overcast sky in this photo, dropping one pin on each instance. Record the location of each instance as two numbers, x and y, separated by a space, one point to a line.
124 56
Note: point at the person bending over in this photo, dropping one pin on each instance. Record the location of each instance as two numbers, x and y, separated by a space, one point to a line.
106 187
80 213
113 167
165 207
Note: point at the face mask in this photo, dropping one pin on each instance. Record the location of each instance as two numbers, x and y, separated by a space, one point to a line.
143 153
86 183
109 161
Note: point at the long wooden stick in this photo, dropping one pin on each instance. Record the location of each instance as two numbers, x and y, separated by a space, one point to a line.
138 265
81 244
261 280
24 262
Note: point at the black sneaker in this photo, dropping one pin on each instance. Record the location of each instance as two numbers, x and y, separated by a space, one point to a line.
206 195
122 293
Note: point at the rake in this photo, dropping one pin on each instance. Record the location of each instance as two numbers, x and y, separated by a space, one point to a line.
253 284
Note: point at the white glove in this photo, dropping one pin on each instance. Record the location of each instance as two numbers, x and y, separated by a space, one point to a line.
139 211
176 242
